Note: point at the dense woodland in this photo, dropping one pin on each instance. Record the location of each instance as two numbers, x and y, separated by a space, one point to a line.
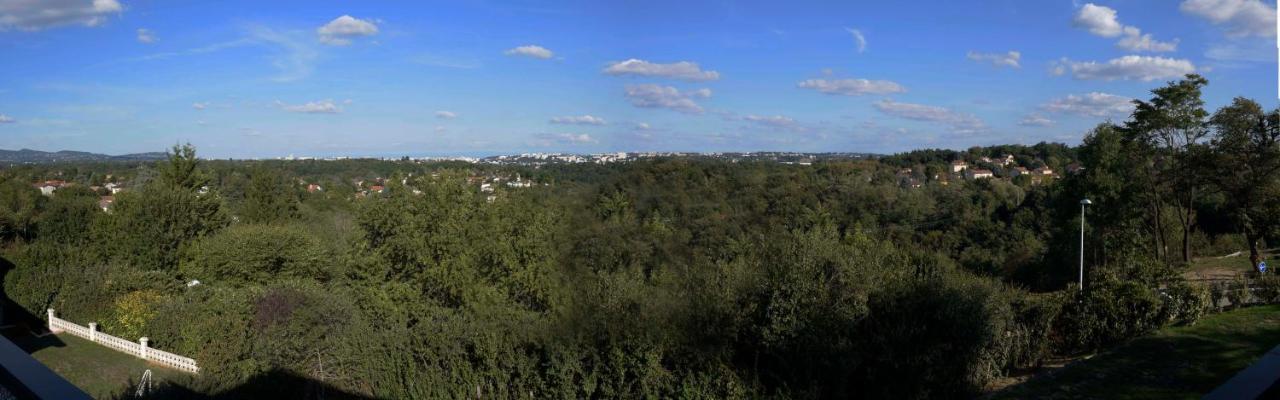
667 278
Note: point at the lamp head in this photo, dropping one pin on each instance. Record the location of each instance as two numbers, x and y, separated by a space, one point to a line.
1085 202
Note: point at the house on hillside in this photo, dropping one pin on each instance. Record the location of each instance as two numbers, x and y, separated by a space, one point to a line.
978 173
1007 159
1074 168
1044 171
1018 171
48 187
312 188
115 188
958 166
105 202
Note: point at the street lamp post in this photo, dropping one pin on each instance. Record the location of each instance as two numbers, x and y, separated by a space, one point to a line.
1083 203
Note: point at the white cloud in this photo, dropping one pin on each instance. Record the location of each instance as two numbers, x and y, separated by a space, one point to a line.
1102 21
858 39
654 96
314 107
341 30
684 70
1093 104
5 119
549 139
1099 20
643 126
29 15
852 87
579 120
1239 17
146 36
960 122
1144 68
531 51
1009 59
200 105
446 114
1134 40
1035 120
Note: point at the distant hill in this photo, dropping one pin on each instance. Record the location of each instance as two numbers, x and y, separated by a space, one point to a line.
37 156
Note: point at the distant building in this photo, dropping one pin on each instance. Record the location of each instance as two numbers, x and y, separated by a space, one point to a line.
1074 168
105 202
978 173
48 187
312 188
377 188
959 166
1017 171
1046 171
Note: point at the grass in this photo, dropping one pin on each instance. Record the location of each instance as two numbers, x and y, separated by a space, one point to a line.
98 370
1173 363
1224 267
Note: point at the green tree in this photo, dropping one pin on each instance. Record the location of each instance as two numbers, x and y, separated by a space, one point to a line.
1173 125
248 254
1246 167
269 197
182 169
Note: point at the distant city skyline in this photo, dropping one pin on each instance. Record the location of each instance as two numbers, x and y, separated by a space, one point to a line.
267 79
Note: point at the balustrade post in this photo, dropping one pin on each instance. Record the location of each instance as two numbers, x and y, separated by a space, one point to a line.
142 348
51 328
93 331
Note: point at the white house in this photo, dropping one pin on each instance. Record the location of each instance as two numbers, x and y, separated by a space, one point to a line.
978 173
958 166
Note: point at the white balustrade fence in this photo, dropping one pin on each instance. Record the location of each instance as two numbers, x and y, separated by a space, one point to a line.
139 349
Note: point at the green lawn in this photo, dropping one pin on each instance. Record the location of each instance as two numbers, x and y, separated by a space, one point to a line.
98 370
1225 268
1174 363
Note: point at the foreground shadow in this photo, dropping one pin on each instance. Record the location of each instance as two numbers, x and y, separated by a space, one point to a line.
275 384
20 325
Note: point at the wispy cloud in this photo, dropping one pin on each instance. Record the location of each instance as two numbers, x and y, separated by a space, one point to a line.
654 96
683 70
852 87
314 107
446 114
532 51
1143 68
1093 104
293 56
579 120
858 39
146 36
1009 59
959 122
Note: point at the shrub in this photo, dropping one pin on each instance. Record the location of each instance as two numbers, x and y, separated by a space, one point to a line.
256 255
133 313
1107 313
1186 302
1268 288
1237 291
933 337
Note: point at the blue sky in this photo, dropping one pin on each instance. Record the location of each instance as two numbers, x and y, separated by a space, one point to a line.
267 79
